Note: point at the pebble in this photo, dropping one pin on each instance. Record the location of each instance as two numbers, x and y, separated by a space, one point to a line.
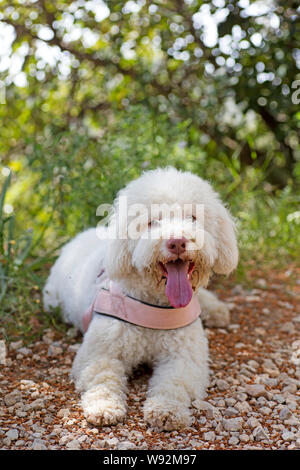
252 422
288 327
209 436
232 424
73 445
2 352
24 351
210 410
255 390
222 385
126 445
260 434
112 442
288 436
285 413
244 438
230 412
261 283
74 347
12 398
233 441
12 434
55 349
15 345
39 444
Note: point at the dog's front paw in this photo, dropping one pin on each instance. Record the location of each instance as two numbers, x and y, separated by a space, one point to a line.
166 416
101 411
216 314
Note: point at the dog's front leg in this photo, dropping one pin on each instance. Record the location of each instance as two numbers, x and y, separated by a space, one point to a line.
104 401
175 382
102 379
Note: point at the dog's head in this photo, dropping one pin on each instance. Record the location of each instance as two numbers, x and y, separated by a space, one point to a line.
169 231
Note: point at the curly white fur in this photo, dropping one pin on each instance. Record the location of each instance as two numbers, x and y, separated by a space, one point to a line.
112 348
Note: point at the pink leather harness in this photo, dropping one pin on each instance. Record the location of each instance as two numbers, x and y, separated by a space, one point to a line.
115 304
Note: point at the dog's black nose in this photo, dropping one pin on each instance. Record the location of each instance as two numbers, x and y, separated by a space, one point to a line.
176 246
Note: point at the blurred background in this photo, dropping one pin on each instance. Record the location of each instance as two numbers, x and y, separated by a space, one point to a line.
92 93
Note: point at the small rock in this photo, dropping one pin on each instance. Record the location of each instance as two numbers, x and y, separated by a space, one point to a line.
73 445
233 327
12 398
38 404
270 382
16 345
237 289
230 401
233 441
24 351
222 385
232 424
74 347
63 413
259 434
27 384
12 434
102 444
252 298
126 445
253 422
255 390
285 413
288 436
291 388
243 407
244 438
72 332
260 331
210 410
288 327
261 283
112 442
209 436
231 412
48 420
240 396
48 337
2 352
55 349
266 311
38 444
265 410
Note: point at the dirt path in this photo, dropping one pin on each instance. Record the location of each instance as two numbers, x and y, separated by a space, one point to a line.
253 401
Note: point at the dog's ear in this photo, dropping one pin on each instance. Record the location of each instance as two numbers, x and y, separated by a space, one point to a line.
227 249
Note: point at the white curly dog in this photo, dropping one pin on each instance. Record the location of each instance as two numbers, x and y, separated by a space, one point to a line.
162 271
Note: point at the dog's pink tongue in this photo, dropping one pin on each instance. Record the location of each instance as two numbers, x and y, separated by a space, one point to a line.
178 290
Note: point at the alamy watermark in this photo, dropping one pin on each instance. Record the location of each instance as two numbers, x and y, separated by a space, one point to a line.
159 221
296 94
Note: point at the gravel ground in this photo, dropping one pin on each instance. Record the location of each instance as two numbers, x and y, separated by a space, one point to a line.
252 402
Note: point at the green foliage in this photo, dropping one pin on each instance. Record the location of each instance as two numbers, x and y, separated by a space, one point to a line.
229 67
13 253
